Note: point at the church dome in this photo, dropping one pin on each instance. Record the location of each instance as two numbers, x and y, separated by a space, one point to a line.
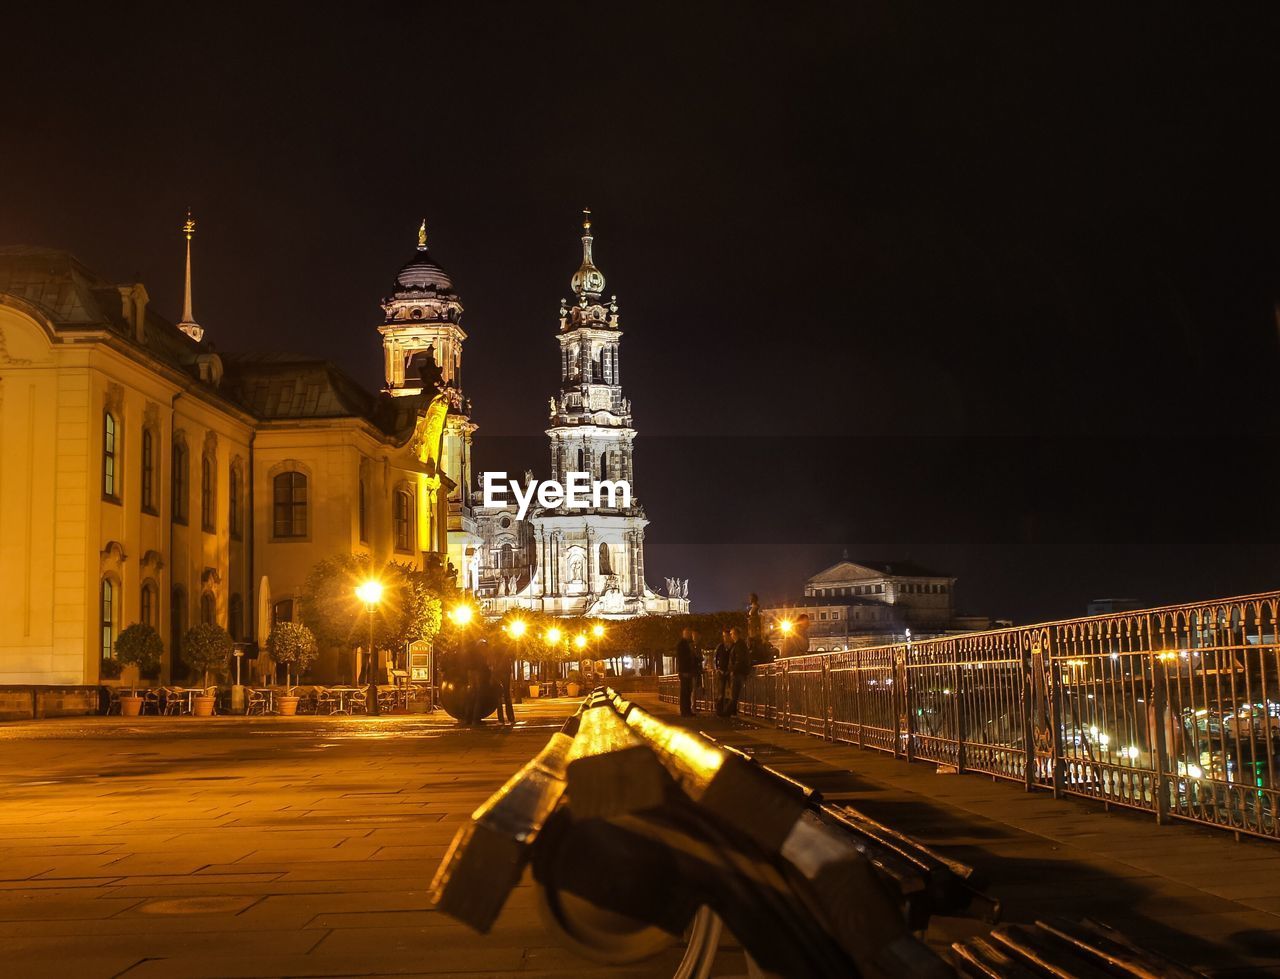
421 274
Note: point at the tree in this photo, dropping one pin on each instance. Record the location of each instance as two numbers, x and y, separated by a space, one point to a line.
292 644
141 646
206 647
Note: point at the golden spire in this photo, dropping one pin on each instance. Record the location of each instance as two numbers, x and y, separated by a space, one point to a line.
422 236
586 219
189 326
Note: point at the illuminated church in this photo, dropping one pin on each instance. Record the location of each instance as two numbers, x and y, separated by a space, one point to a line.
145 477
556 560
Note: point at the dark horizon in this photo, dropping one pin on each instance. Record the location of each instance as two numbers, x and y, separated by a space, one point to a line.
994 295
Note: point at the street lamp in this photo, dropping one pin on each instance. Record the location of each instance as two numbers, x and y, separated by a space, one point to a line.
597 630
370 592
516 629
461 614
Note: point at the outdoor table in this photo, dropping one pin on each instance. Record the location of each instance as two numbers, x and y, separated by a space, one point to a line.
190 693
270 694
342 693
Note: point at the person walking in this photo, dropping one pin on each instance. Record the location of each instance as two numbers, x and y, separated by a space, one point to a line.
501 663
739 669
720 661
475 659
686 665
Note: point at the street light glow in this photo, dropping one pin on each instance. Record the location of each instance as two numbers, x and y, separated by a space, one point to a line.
553 635
786 626
517 628
369 592
580 641
461 614
597 630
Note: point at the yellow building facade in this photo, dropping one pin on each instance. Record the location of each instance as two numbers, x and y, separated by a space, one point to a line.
144 478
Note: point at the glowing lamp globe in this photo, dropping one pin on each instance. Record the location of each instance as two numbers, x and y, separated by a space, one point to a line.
517 628
369 592
580 640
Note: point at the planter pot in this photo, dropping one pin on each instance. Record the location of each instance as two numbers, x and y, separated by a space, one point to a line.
533 690
201 706
130 706
287 706
574 689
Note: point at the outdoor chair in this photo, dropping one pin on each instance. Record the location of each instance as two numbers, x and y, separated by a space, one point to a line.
358 701
326 702
113 700
151 702
172 701
388 699
307 700
256 703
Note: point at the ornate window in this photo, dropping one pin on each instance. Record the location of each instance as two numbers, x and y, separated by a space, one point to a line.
208 609
110 457
179 481
402 519
282 611
506 557
290 504
235 490
604 465
606 567
206 493
110 596
581 461
150 604
148 471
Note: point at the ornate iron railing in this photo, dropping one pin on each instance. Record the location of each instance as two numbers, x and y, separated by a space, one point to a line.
1174 710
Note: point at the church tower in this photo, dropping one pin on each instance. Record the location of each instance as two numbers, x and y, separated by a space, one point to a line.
591 561
422 341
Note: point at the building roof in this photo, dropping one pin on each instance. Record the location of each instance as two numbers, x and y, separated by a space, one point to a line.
422 275
847 570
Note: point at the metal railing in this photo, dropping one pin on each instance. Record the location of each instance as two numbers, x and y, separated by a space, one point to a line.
1174 710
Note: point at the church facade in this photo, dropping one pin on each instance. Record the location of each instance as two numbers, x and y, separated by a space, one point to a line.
145 477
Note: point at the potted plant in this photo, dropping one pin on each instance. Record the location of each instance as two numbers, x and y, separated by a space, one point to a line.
206 647
139 646
575 683
292 644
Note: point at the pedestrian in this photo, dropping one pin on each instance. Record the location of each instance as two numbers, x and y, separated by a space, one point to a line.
755 631
501 663
720 660
686 666
739 668
474 658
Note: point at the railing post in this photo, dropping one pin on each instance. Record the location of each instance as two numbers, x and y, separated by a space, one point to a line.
903 683
784 715
957 693
1028 730
1156 735
828 727
859 685
1057 720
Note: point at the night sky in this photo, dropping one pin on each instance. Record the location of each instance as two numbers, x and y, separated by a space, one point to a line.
991 291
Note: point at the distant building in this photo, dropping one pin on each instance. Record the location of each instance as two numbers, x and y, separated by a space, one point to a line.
867 603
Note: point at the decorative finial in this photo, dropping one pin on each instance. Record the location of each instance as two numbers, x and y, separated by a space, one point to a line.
189 226
586 219
422 236
188 324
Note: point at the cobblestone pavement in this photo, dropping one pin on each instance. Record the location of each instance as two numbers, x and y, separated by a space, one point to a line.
257 847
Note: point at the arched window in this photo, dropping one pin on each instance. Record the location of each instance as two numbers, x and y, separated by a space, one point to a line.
150 604
235 617
206 493
108 615
282 611
208 609
234 489
148 471
581 462
110 457
606 566
179 481
506 557
364 518
604 465
290 496
402 520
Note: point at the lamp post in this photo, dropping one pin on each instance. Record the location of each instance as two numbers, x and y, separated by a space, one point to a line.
516 630
597 633
370 592
553 640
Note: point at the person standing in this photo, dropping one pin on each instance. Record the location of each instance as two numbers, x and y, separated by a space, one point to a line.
475 660
755 630
739 669
720 661
686 667
501 664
